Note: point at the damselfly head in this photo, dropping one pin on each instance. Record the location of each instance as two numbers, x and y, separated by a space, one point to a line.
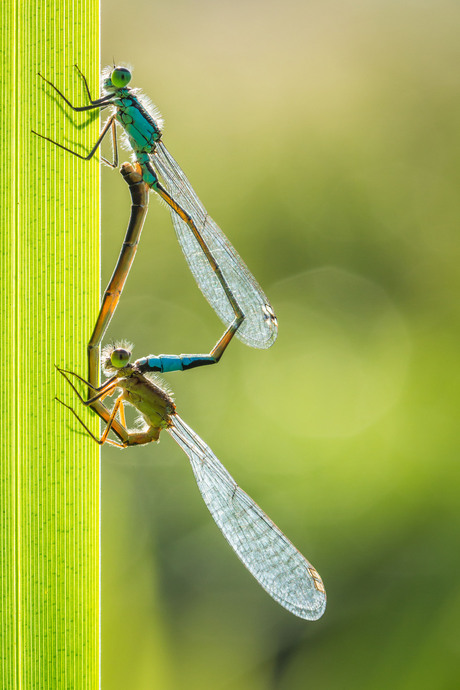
120 357
114 78
115 356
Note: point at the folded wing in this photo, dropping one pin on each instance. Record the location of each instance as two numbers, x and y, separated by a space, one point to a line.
265 551
259 328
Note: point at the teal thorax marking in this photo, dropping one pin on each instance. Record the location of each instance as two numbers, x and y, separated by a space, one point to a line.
141 129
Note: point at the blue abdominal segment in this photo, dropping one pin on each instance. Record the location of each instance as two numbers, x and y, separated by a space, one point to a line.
166 363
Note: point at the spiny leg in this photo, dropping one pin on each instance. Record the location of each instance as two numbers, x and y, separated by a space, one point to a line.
114 163
117 406
103 438
105 100
110 123
131 438
101 410
93 102
122 415
107 387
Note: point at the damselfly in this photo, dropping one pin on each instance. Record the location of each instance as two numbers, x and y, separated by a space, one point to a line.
219 271
267 553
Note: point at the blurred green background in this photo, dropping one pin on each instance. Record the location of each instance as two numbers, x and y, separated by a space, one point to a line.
324 138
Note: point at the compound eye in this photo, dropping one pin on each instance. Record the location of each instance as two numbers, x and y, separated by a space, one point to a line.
120 357
120 77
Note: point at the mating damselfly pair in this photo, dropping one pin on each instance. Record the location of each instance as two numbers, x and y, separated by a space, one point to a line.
239 301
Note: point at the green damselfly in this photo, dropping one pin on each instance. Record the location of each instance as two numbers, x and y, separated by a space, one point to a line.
265 551
219 271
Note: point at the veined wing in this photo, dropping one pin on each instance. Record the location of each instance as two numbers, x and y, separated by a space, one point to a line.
265 551
259 328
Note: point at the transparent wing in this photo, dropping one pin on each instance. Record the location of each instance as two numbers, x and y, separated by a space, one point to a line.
259 329
265 551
